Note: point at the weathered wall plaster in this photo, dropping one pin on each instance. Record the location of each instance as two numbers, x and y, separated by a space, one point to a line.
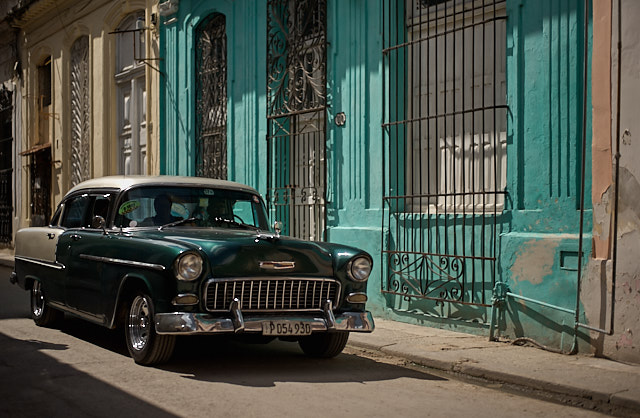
534 261
596 295
601 144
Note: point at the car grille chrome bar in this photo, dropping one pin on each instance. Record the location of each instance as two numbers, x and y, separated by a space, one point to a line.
271 294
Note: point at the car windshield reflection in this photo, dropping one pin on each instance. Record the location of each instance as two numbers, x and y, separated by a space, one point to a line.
165 207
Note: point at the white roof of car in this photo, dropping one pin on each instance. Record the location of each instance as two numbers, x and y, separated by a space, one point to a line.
124 182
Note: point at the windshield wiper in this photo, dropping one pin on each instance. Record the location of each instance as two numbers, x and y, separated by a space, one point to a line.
178 222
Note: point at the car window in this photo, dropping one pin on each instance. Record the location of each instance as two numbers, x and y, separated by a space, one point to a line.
74 212
56 216
243 212
206 207
100 206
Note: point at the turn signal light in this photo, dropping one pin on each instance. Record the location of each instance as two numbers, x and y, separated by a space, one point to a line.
357 297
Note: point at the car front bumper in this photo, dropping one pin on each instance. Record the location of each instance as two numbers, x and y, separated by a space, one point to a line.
199 323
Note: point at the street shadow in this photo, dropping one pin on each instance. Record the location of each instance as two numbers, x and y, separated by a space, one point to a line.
109 339
34 384
15 301
225 360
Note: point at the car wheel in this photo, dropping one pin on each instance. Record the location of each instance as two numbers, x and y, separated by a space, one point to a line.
144 345
324 345
43 315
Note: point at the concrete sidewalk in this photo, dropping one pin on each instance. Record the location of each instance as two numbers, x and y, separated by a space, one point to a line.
590 382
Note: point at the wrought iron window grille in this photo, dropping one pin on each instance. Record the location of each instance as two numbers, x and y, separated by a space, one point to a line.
211 100
444 136
80 111
296 115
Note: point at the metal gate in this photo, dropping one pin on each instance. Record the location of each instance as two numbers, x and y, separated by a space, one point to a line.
296 114
211 101
6 166
444 145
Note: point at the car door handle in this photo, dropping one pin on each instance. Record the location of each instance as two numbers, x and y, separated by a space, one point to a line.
75 237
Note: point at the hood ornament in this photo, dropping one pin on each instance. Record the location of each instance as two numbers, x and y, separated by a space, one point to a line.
277 265
269 236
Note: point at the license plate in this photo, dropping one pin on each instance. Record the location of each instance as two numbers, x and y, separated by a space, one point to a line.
286 328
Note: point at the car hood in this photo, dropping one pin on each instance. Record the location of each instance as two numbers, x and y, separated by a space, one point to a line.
237 253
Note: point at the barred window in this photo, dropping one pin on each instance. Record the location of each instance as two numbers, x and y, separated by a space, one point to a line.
211 99
80 111
450 61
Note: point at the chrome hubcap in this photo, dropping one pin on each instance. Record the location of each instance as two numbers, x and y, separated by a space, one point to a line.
139 323
37 299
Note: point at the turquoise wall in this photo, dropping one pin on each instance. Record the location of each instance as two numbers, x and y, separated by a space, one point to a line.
355 149
539 255
246 89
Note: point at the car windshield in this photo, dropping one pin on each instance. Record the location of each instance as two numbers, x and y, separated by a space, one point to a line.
168 206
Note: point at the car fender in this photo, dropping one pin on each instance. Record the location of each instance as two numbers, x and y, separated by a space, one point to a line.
136 281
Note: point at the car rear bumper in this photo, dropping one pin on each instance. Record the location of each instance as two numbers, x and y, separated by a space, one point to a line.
198 323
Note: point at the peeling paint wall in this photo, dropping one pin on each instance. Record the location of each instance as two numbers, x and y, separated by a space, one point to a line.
596 295
534 260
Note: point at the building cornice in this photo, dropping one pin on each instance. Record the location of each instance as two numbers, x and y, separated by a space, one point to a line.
41 13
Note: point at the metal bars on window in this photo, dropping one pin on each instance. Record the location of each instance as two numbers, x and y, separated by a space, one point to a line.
6 165
211 102
296 114
80 111
444 136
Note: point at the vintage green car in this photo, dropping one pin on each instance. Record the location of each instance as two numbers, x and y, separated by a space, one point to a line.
166 256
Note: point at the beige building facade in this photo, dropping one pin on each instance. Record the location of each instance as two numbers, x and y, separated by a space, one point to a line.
89 102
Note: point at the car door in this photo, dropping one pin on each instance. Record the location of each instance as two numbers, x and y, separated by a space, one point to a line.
78 247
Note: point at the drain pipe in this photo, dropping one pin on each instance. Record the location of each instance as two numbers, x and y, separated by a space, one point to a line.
574 349
614 254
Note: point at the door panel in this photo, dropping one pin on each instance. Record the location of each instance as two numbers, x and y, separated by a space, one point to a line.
40 244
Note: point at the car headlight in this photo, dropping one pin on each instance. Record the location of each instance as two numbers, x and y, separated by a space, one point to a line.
359 268
188 266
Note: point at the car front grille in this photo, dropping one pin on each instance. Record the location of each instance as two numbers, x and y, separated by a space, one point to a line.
270 294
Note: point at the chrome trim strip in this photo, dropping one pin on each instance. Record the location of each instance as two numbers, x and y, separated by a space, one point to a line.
184 323
49 264
123 262
87 316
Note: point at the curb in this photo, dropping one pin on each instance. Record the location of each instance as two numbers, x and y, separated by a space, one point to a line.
7 261
607 402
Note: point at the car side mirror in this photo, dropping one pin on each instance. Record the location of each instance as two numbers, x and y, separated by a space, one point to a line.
277 226
98 222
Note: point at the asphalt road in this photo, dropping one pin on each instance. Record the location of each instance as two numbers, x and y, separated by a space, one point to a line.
80 369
